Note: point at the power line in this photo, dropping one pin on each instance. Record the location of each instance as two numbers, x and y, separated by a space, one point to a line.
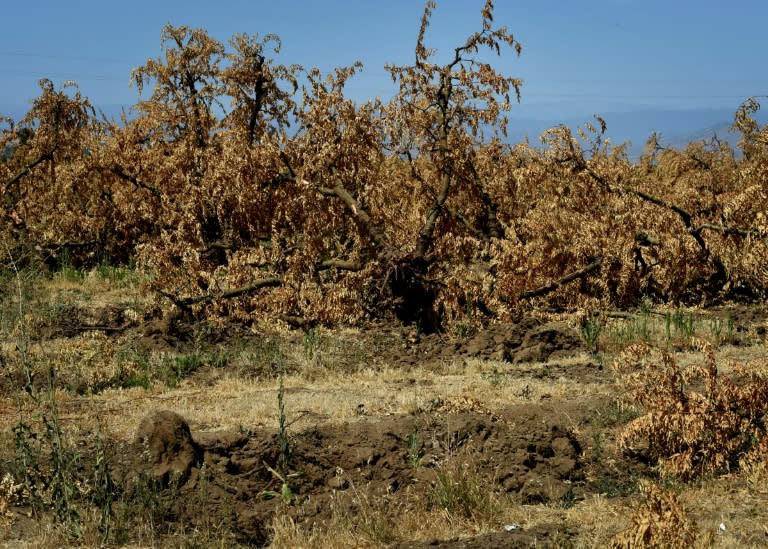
61 75
677 96
12 53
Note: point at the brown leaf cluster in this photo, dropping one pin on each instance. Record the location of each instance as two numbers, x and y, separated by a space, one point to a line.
696 420
661 522
233 169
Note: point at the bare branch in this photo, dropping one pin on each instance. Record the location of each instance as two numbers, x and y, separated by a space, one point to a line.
118 171
552 286
467 224
342 264
185 302
746 233
29 167
361 216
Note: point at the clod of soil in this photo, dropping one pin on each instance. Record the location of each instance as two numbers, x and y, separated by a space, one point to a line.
71 321
524 451
541 536
528 340
164 444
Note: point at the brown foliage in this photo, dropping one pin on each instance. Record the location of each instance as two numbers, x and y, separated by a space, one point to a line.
697 421
52 195
660 522
414 208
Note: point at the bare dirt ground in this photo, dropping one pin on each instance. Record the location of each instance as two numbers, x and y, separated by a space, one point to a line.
498 437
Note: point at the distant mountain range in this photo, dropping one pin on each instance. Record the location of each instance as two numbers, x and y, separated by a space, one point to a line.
676 127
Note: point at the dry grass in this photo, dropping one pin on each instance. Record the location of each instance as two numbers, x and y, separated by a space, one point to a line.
406 209
232 402
420 525
323 385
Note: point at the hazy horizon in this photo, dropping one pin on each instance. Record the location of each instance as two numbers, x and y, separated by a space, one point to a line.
617 58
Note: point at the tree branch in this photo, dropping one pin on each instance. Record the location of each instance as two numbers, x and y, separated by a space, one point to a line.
361 216
342 264
745 233
29 167
552 286
184 303
480 235
118 171
494 229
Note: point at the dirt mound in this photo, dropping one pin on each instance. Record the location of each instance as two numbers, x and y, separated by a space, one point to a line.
524 451
514 537
528 340
71 321
165 446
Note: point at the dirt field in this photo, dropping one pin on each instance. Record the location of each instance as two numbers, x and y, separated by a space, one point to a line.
379 437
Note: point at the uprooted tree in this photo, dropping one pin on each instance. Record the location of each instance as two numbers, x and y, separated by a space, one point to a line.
251 189
420 146
309 225
51 194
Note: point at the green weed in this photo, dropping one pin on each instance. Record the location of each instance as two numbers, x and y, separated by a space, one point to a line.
118 276
139 369
47 464
685 324
287 488
590 334
722 330
495 377
105 491
461 493
311 343
67 272
283 472
415 447
283 443
463 330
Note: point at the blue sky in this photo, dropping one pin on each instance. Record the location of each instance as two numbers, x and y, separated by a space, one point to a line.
578 56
